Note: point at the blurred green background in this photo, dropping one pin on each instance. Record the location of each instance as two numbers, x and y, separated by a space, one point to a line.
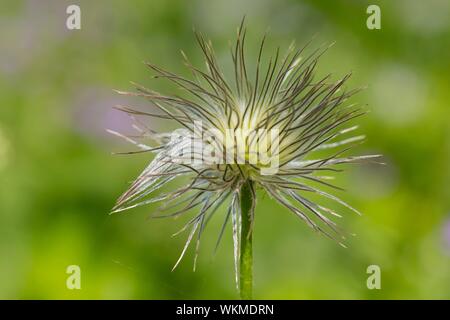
58 179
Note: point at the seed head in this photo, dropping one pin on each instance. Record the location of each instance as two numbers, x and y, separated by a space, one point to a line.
269 127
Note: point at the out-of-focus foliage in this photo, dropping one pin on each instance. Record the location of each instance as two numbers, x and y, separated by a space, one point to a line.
58 179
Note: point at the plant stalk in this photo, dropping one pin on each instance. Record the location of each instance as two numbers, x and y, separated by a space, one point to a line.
247 199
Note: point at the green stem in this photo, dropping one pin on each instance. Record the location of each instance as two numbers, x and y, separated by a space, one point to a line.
246 255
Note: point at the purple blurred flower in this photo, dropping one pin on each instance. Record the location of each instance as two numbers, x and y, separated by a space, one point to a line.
93 113
446 235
